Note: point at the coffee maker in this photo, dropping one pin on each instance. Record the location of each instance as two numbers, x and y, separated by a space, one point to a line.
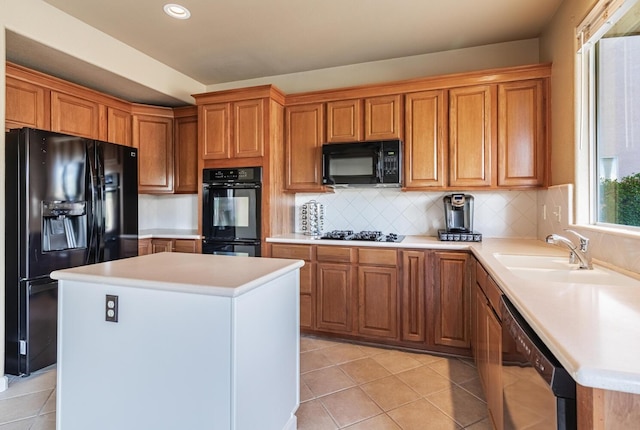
458 218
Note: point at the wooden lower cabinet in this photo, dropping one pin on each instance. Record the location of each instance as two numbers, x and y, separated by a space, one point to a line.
334 297
487 343
144 246
161 245
307 279
450 301
413 293
152 246
189 246
378 293
385 295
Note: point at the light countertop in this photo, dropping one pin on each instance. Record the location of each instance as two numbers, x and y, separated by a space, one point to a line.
218 275
593 330
168 233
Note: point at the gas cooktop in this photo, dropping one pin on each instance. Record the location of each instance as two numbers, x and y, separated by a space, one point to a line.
370 236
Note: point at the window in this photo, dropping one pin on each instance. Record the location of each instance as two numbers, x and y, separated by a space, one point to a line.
611 110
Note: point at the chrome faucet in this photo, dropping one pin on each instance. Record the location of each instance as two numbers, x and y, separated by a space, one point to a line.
579 254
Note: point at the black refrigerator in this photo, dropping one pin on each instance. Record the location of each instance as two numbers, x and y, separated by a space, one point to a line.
70 201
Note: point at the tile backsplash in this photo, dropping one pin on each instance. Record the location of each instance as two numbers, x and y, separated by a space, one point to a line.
496 213
620 249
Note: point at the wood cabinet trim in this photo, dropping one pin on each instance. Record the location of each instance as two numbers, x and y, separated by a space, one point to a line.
438 82
238 94
52 83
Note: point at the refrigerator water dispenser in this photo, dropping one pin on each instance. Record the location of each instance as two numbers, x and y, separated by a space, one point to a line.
64 225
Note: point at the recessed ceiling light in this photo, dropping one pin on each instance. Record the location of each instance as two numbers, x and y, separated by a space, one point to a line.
177 11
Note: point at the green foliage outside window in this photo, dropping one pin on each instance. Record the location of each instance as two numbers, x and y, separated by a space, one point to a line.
620 200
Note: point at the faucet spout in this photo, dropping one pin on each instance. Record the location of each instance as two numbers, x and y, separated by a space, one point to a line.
581 253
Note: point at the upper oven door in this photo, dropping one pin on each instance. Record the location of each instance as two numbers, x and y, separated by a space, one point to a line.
351 163
231 211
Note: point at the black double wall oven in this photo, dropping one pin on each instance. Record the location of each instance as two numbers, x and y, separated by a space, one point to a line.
231 204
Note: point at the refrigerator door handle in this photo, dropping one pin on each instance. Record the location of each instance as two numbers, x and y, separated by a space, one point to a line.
100 219
93 219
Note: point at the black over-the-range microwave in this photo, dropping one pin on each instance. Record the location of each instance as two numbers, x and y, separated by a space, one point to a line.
376 163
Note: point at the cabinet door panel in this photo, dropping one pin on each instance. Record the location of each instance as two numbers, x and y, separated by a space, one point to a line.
494 369
248 132
378 302
521 134
118 126
144 247
162 245
25 105
304 130
334 298
451 300
189 246
344 121
472 120
74 115
153 136
215 126
186 155
425 139
383 118
413 296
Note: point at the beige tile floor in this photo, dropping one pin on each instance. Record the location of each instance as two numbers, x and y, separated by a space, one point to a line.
348 386
342 386
30 403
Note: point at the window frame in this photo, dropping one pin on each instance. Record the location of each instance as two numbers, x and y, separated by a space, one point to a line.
597 22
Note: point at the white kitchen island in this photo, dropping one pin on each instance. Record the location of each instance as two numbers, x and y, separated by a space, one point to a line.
200 342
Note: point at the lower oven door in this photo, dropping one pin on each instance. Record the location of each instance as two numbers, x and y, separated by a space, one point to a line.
239 248
538 392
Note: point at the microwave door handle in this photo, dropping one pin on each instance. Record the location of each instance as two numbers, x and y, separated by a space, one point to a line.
379 168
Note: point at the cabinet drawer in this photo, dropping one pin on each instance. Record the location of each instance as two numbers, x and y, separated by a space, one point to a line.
481 276
378 257
489 288
297 252
307 273
493 293
186 245
341 254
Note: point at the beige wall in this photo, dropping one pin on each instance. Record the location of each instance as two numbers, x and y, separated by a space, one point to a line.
506 54
557 46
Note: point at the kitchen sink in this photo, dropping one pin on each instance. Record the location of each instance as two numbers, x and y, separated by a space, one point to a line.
547 268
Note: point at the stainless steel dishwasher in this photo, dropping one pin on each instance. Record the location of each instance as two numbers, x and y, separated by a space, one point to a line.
538 392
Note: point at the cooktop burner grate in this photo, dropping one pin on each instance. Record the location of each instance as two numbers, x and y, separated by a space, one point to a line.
370 236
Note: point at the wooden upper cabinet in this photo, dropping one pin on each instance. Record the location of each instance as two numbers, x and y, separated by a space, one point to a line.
522 133
233 129
153 136
75 115
119 126
25 105
472 124
304 135
185 150
248 128
374 118
344 121
383 118
425 145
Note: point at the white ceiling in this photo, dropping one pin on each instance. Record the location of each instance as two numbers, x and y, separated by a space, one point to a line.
244 39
